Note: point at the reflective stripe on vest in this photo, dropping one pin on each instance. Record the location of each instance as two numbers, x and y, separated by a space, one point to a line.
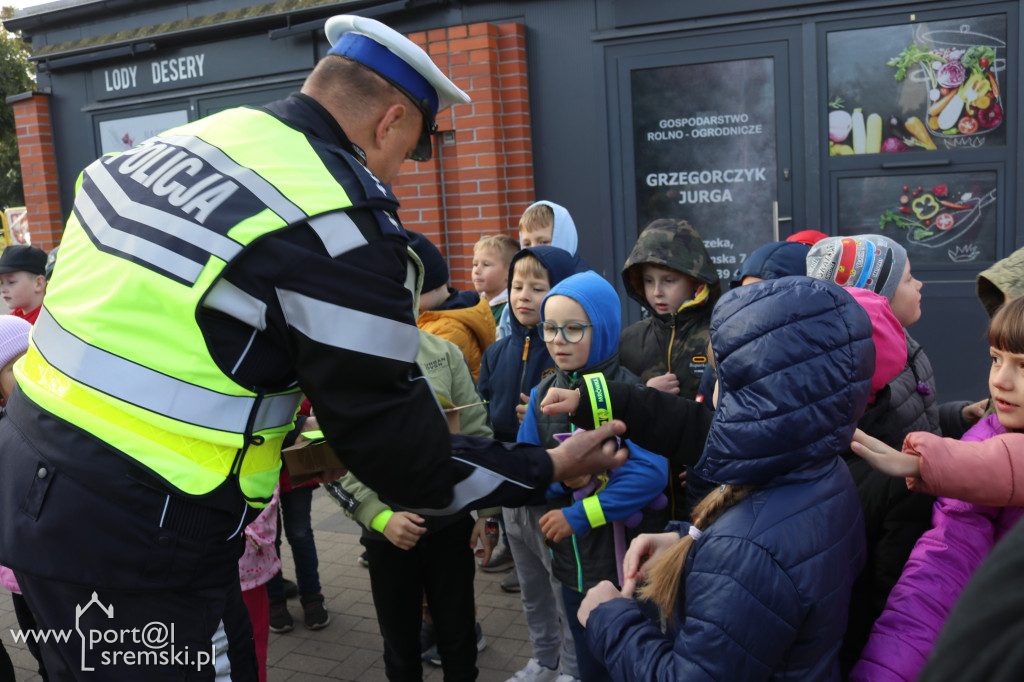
118 351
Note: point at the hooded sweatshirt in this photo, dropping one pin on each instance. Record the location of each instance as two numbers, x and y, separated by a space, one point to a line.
583 560
563 236
764 590
675 342
516 362
1005 279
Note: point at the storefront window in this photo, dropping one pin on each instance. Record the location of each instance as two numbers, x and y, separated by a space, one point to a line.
941 218
928 86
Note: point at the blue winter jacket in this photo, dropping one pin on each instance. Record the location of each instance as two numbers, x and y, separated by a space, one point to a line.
515 363
765 591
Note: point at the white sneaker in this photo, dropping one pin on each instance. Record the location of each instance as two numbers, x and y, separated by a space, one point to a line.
534 672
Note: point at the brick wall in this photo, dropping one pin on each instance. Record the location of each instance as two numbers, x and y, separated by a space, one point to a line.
482 181
38 168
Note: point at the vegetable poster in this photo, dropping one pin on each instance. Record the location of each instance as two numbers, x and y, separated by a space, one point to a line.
704 142
925 86
939 217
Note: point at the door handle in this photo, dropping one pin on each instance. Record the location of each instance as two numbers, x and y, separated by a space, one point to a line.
776 220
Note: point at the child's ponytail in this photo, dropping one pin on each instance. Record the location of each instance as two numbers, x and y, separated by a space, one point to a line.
664 576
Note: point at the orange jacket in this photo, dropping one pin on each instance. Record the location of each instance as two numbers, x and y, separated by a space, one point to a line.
471 329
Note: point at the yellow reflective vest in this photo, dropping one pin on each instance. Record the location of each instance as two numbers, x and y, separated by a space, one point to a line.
117 349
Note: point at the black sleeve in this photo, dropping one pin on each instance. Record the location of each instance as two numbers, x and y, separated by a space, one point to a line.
951 419
667 424
337 312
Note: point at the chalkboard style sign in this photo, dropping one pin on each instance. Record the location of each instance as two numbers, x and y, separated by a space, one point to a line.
705 151
941 218
926 86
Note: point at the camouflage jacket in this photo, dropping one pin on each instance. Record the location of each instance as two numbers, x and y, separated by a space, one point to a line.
676 342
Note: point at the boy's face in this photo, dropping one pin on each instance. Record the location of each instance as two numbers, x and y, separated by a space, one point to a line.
666 289
906 302
562 311
22 289
490 272
538 236
525 297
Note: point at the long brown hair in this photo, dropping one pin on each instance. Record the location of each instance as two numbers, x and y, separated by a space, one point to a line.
664 576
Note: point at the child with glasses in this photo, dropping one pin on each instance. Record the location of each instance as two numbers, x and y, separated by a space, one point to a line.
580 324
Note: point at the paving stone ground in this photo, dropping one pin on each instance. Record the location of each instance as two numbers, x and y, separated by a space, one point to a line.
350 648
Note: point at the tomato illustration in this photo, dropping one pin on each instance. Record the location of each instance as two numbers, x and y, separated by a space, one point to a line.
944 221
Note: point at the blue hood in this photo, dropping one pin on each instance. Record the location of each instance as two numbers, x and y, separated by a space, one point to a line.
774 260
557 262
601 303
795 359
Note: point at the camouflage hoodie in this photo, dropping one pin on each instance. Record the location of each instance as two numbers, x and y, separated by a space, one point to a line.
677 342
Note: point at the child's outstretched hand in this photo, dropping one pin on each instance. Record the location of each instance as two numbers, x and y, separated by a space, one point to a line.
667 382
486 542
599 594
973 413
403 529
521 407
560 401
555 526
885 459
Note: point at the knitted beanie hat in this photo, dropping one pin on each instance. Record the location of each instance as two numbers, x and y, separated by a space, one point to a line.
866 261
435 270
13 338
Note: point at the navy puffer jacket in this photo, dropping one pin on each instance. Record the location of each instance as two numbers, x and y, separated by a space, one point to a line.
766 589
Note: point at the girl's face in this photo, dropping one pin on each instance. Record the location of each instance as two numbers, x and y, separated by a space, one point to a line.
562 311
906 302
7 381
1006 384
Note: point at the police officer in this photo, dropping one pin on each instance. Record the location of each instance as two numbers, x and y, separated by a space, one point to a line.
208 278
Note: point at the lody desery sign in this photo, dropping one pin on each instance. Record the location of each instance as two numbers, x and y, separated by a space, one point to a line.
705 151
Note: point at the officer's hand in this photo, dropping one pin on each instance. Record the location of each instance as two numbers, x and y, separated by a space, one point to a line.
588 453
404 529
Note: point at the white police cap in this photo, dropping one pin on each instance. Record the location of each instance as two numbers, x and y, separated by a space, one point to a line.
400 61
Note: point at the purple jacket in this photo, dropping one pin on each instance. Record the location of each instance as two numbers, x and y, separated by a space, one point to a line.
942 562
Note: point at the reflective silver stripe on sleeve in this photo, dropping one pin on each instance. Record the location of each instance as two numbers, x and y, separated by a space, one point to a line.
165 222
479 484
230 300
246 177
125 242
338 233
152 390
354 330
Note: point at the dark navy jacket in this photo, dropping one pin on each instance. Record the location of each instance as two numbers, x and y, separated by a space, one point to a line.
515 363
765 590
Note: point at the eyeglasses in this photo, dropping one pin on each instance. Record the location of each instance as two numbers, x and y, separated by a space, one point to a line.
572 332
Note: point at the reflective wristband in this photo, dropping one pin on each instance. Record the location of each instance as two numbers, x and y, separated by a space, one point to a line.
595 515
381 520
597 391
313 435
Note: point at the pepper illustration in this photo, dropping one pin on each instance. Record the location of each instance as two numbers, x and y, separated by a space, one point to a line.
925 206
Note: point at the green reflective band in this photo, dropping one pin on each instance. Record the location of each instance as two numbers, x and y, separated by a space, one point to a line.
595 515
381 520
597 389
312 435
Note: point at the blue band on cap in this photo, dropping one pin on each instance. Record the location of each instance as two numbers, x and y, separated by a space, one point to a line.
372 54
869 263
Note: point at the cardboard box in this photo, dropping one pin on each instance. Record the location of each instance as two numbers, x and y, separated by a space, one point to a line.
308 460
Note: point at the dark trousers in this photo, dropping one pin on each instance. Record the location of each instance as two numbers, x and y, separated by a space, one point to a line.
442 566
591 669
26 622
295 518
126 635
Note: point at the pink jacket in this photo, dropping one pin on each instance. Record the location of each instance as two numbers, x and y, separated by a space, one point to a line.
8 581
942 562
260 562
983 473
